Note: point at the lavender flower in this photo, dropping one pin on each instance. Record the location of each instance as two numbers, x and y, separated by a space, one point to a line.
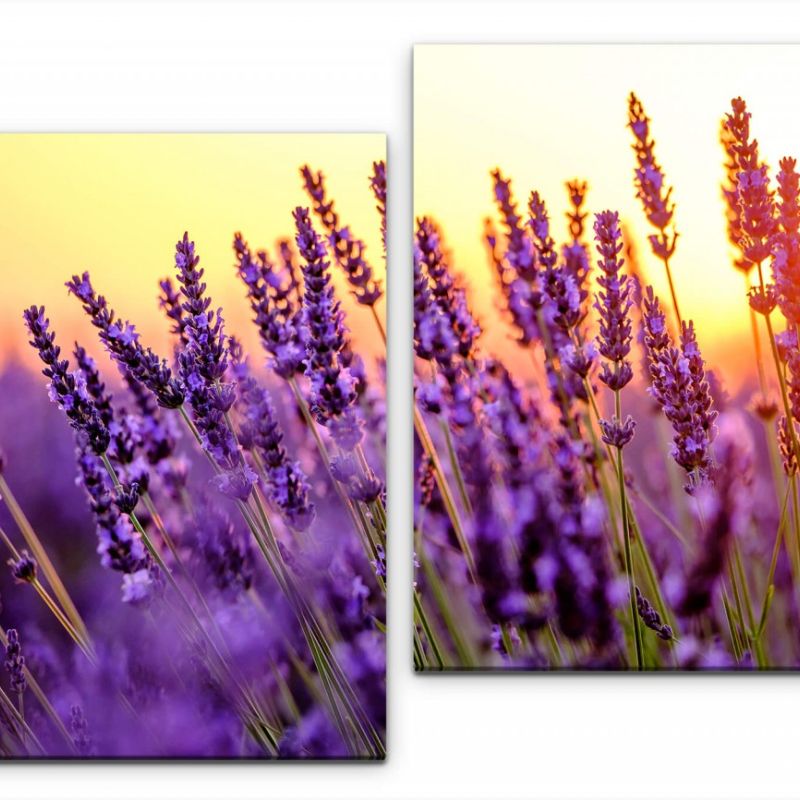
127 497
426 481
226 554
450 298
617 433
203 364
434 338
679 386
519 250
786 440
79 729
516 422
333 391
575 255
15 662
700 397
786 243
124 438
614 339
613 304
726 511
757 219
651 189
756 223
66 389
786 446
347 250
561 282
274 311
95 387
122 342
23 568
119 545
539 225
651 618
730 195
366 489
156 434
287 485
582 580
377 183
576 216
380 563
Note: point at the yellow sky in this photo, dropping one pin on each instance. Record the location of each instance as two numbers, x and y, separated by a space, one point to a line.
116 204
548 113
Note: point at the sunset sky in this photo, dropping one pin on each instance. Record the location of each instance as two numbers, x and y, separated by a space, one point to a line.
117 204
548 113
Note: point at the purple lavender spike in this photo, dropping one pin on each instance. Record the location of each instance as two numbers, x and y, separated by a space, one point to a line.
23 569
287 485
15 662
651 188
519 252
274 311
756 221
347 250
678 384
614 339
377 183
122 342
450 298
203 364
66 388
333 387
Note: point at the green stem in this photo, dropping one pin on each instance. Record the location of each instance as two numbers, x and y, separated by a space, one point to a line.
767 602
444 490
423 619
626 532
40 554
672 292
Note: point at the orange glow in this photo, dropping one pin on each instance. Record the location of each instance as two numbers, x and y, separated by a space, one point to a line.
116 204
548 113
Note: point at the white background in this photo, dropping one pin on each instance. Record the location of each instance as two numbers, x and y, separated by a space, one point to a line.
256 66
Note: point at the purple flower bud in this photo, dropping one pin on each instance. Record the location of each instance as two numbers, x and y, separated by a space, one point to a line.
616 433
651 617
15 662
23 568
79 730
137 587
127 497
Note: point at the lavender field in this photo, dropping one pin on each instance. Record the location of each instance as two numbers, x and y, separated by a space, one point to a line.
195 538
611 505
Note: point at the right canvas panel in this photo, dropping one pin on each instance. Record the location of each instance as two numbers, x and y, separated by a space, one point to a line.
607 372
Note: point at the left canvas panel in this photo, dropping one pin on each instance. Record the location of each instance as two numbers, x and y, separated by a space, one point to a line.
192 395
